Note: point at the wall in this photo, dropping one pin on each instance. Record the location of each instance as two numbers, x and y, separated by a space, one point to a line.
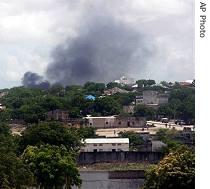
101 122
115 122
109 157
130 122
112 179
106 147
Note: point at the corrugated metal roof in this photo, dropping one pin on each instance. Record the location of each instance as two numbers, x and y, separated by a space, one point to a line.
106 140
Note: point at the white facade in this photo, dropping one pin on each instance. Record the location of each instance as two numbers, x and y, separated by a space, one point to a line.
101 122
125 81
105 144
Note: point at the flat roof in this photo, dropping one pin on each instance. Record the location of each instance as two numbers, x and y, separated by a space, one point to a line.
106 140
108 117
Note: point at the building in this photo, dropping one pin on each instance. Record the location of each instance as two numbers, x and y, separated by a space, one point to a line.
2 107
4 93
125 81
152 98
129 121
128 109
100 122
90 97
58 115
105 144
114 91
114 121
139 100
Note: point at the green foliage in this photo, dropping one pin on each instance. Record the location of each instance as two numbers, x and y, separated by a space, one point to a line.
94 88
13 172
107 106
52 133
145 83
111 85
124 98
135 140
5 115
144 111
87 132
168 137
181 105
52 166
176 170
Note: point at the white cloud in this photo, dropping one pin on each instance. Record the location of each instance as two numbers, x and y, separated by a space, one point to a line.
30 29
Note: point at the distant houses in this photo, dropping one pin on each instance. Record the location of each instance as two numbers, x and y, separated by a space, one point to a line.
114 91
152 98
58 115
115 121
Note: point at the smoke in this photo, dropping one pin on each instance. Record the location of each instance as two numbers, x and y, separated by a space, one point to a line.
103 49
33 80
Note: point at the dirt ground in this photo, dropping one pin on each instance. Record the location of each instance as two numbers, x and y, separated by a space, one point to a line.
113 132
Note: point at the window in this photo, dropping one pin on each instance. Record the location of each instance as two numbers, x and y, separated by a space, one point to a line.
119 123
113 150
106 122
119 144
94 144
90 123
94 150
113 144
133 123
100 144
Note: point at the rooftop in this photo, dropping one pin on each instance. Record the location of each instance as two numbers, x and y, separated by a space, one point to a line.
106 140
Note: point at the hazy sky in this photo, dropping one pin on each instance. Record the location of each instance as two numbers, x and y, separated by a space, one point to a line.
30 30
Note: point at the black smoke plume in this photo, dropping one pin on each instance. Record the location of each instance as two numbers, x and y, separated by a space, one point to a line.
33 80
104 50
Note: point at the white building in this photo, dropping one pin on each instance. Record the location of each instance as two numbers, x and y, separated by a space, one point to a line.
105 145
125 81
100 122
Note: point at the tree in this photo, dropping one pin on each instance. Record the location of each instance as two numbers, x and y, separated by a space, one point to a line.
165 83
13 172
52 166
168 136
135 140
107 106
87 132
111 85
145 83
94 88
52 133
176 170
144 111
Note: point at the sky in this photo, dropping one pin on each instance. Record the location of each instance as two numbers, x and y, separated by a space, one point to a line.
35 35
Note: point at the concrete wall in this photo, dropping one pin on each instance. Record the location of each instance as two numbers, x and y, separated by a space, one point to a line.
101 122
111 180
115 122
109 157
105 147
130 122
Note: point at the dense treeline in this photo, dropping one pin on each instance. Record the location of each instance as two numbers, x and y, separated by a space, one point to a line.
45 156
31 105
